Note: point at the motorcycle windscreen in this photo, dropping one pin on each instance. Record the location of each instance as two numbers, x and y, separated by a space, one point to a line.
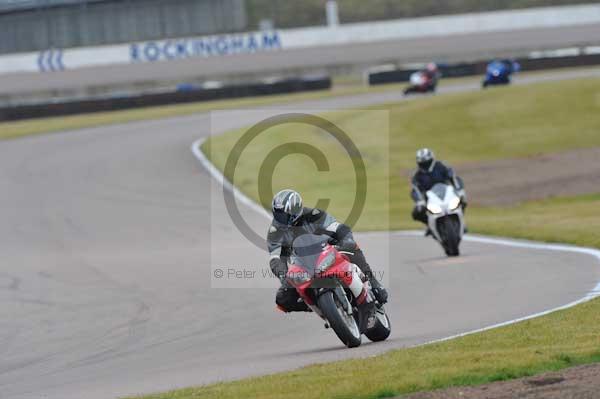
306 250
496 68
439 190
417 78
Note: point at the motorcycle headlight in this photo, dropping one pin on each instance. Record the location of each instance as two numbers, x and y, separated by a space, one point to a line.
434 208
326 262
454 203
298 277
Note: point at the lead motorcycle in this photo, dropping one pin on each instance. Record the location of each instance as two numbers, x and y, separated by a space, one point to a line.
336 290
445 217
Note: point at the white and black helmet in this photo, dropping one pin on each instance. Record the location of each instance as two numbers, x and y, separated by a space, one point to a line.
287 207
425 158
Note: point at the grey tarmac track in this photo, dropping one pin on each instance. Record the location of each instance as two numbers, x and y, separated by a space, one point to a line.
452 48
105 281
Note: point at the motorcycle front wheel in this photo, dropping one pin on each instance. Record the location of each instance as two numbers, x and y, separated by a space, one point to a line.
382 328
450 234
342 323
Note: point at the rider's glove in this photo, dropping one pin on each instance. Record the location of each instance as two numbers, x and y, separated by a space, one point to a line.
333 241
348 245
463 197
420 205
279 268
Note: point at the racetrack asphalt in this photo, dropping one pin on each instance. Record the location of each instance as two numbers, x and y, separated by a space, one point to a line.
106 240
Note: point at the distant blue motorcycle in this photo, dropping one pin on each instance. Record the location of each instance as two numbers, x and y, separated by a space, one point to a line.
498 72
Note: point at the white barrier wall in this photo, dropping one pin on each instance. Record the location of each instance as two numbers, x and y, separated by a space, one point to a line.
251 42
498 21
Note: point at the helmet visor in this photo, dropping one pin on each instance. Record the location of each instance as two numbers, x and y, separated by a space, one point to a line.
284 217
425 164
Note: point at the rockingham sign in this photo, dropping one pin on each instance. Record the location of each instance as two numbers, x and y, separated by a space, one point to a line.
165 50
51 60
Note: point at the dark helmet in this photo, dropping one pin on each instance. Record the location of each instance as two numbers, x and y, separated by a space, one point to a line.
425 158
287 207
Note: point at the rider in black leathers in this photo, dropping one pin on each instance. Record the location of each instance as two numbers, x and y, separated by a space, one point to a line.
429 173
290 220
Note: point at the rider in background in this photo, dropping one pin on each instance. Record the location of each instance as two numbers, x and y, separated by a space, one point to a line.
433 73
429 173
290 220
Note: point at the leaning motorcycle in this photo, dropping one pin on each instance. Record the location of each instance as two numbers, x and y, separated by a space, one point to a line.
499 72
336 290
420 82
445 217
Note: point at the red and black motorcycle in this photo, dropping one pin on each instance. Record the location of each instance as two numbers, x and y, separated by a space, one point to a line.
336 290
420 82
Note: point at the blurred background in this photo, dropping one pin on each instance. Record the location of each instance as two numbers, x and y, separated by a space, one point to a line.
30 25
63 52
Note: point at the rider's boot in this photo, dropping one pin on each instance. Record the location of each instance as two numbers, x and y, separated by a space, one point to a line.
380 293
288 300
366 312
358 258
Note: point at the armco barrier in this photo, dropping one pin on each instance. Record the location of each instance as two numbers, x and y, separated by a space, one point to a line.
534 64
47 109
478 68
447 71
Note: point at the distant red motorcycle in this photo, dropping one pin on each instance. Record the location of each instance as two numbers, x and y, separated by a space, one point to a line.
336 290
421 82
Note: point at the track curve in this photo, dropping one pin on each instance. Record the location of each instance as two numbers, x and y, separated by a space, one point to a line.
104 289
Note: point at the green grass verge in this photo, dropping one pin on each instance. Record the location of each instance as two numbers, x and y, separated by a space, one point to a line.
573 220
552 342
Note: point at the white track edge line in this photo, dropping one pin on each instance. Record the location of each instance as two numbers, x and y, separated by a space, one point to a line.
219 177
593 293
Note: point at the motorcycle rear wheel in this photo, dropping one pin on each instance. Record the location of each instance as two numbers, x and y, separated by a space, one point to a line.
344 325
